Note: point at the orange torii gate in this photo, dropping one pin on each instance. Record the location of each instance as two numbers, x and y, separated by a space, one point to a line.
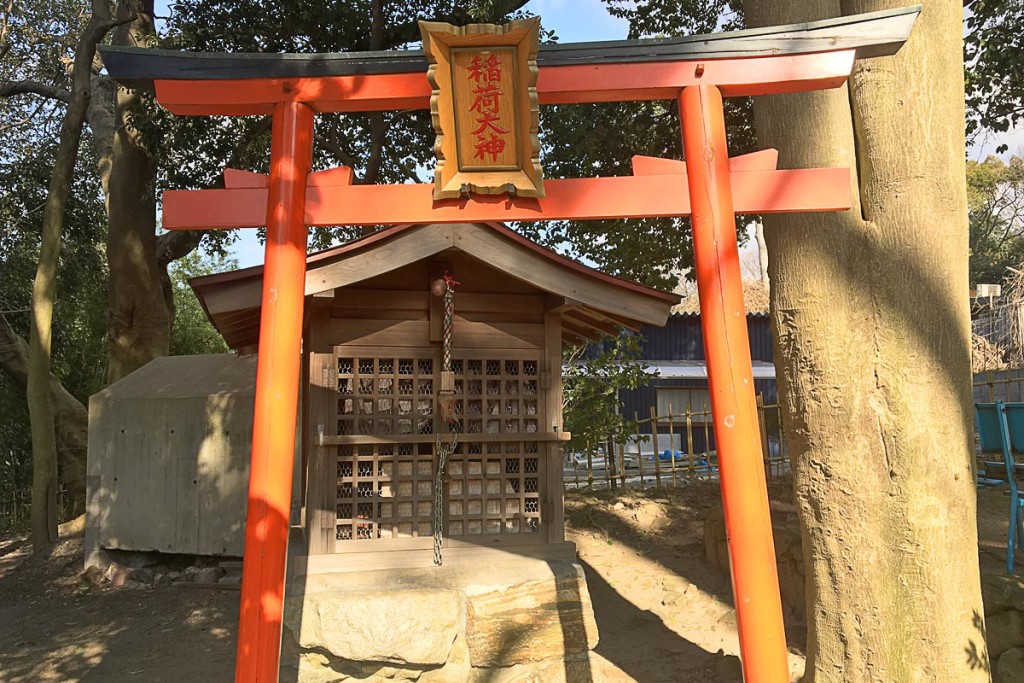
698 71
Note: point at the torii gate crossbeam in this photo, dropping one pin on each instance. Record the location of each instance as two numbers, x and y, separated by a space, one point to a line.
764 61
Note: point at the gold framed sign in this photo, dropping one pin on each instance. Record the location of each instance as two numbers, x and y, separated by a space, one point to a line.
484 107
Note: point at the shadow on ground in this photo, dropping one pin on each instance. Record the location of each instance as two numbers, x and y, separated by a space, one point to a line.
55 629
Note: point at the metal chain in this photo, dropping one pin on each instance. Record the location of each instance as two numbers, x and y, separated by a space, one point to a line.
443 450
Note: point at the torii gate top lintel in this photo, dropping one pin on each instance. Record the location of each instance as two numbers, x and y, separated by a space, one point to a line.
697 71
873 34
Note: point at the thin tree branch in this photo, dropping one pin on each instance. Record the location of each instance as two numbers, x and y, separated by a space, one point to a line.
406 170
12 88
5 29
249 137
331 144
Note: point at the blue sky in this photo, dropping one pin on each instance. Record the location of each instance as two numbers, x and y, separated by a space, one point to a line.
576 21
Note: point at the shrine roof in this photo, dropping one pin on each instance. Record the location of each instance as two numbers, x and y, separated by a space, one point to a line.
871 34
593 301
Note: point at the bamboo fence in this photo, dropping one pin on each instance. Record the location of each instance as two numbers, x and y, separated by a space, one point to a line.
669 450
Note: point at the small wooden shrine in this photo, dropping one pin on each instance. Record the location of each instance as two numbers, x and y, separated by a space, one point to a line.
377 405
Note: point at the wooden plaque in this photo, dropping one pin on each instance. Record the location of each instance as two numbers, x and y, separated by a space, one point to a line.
484 107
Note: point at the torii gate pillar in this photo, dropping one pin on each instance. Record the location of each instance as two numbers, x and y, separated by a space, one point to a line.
723 319
277 389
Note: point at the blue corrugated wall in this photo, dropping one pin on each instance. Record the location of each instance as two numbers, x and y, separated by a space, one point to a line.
682 339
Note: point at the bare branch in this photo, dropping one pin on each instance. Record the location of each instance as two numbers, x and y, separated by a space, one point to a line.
24 121
249 137
12 88
406 170
5 29
331 144
376 24
176 244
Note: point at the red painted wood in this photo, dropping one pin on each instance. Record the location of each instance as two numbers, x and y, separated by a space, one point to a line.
816 189
555 85
235 179
277 393
761 160
331 177
723 320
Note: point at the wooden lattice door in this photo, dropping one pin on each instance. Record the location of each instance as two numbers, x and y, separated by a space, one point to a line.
385 456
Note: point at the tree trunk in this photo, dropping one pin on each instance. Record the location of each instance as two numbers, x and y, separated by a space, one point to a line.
44 446
102 122
138 323
70 417
762 252
872 340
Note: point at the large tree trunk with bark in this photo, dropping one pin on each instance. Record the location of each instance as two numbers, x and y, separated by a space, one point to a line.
40 409
139 315
872 329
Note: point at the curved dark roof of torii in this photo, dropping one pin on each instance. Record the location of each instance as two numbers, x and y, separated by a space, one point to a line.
872 34
596 302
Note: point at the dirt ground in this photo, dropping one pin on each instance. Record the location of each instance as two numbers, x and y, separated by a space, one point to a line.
53 627
663 613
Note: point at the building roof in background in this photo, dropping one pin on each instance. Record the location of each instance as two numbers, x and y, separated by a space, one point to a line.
698 369
755 297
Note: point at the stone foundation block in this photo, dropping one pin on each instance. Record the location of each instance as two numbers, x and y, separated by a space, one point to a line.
405 627
520 620
530 621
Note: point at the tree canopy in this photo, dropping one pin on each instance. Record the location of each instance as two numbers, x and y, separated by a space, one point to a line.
995 196
994 62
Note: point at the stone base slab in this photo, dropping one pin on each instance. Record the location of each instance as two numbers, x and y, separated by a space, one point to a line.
515 620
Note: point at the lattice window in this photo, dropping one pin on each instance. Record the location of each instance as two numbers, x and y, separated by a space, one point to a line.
497 396
381 396
494 488
385 491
